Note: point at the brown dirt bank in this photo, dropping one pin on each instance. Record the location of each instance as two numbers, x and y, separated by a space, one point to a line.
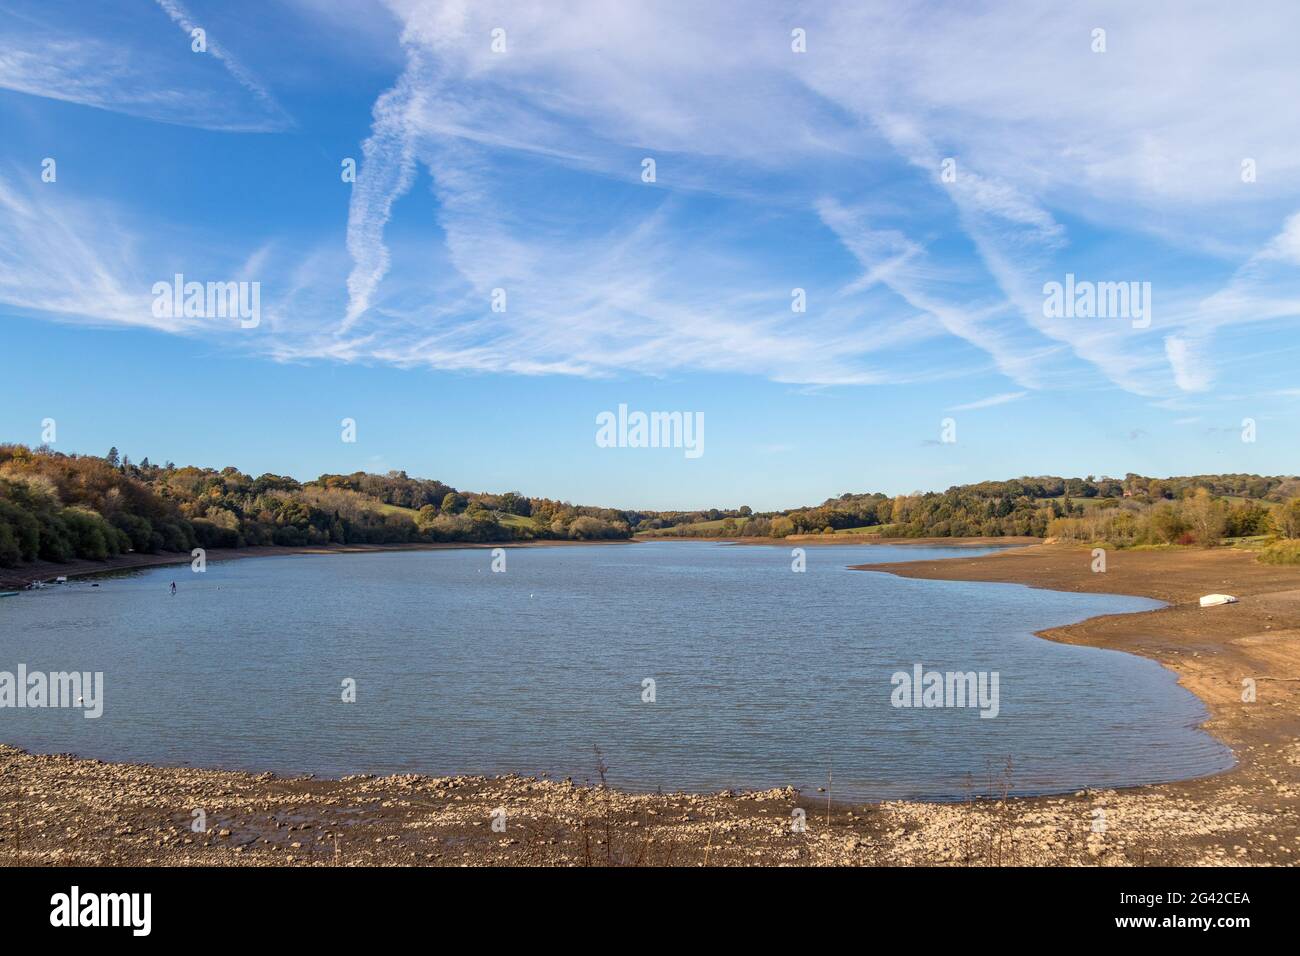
59 810
49 570
1213 651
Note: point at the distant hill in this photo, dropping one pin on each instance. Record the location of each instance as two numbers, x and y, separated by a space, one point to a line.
57 507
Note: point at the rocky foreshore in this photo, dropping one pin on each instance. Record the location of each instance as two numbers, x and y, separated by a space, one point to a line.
62 810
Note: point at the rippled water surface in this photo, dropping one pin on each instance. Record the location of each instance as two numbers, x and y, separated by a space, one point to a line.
763 677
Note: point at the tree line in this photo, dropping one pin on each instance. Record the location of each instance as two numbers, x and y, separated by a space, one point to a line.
1133 510
57 507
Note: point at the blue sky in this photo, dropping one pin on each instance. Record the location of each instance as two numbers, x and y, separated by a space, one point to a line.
521 169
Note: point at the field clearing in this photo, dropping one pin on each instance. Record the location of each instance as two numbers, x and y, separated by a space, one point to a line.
681 529
503 518
515 521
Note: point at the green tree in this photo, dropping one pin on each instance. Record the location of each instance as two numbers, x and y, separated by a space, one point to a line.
1289 519
1249 519
1167 525
424 517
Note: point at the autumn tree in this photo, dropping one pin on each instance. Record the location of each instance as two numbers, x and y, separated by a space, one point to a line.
1207 517
1289 519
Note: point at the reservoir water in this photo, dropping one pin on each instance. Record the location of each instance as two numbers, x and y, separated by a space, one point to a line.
762 676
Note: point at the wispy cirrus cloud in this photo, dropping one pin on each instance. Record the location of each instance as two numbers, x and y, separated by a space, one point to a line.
80 274
989 402
145 72
821 171
181 17
89 261
906 99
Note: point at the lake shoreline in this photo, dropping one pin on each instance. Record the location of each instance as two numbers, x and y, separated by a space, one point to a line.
80 568
855 540
1249 814
16 578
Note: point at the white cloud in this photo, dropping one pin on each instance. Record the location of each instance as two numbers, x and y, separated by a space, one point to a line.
989 402
1189 361
100 60
55 258
181 17
1065 159
1265 288
388 168
626 80
88 261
